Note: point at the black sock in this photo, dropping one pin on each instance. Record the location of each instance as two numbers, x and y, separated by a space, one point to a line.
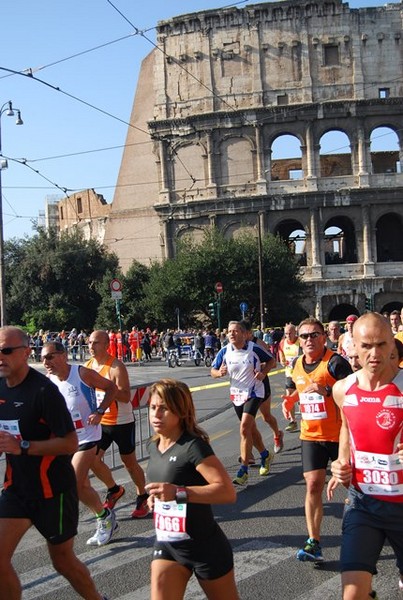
114 489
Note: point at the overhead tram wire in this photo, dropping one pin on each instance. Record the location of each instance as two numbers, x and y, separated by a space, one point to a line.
25 162
76 98
29 71
176 61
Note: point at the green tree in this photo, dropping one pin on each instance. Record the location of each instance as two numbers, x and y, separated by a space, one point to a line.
133 295
53 281
188 281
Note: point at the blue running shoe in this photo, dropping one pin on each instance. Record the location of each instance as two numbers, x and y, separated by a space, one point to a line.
241 477
311 551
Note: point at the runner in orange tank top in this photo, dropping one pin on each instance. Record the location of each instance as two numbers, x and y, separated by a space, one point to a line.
117 426
314 374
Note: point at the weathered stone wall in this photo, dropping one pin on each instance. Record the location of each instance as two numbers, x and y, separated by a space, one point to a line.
213 98
85 210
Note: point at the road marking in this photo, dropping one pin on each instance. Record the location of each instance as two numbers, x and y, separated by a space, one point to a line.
220 434
209 386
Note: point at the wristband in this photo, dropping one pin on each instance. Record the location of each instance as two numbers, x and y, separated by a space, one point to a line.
181 495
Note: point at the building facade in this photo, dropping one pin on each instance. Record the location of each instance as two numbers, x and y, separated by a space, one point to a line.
86 211
215 97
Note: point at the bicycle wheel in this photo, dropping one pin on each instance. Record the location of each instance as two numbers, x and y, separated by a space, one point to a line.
207 361
197 361
172 361
178 362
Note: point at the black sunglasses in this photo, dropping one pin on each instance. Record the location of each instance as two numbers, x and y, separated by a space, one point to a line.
10 349
313 335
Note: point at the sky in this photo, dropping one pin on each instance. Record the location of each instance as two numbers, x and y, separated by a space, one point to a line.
85 58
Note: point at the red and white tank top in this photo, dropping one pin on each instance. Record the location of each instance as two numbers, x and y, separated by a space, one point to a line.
375 420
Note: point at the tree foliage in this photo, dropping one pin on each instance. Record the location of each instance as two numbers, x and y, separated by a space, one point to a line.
53 281
188 282
59 282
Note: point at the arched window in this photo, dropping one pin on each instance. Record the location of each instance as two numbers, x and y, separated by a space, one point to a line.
339 241
286 158
335 154
293 233
389 239
385 151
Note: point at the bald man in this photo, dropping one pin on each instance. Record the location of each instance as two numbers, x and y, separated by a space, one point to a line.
117 426
370 460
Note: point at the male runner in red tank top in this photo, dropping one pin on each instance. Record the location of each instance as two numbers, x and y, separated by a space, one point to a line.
370 460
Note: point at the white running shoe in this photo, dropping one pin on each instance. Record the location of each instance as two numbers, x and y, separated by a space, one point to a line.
106 527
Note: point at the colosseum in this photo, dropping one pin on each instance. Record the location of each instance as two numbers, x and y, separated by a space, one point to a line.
274 112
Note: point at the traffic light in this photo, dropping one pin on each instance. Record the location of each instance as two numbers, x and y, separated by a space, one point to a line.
368 304
212 309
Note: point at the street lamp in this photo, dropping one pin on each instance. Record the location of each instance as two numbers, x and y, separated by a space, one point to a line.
8 110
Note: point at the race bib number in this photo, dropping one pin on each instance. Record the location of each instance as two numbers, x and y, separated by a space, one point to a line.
77 420
379 474
312 406
12 427
237 396
170 521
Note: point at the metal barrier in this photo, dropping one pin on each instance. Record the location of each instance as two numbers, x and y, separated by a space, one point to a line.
75 354
139 400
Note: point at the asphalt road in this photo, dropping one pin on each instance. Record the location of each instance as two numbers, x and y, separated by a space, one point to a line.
266 526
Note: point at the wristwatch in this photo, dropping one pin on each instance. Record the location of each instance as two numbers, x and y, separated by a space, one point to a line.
25 446
328 390
181 495
100 411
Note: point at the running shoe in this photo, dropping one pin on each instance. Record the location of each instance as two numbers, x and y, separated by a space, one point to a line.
279 442
106 527
251 461
241 478
311 551
112 497
141 509
293 426
265 464
401 585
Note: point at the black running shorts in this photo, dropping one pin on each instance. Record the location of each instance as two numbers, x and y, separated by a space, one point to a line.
56 518
250 407
367 524
124 437
207 559
316 455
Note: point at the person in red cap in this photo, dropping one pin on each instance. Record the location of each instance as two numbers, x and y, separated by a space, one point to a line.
346 338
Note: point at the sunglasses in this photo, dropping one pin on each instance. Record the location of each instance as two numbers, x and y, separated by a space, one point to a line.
50 356
313 335
10 349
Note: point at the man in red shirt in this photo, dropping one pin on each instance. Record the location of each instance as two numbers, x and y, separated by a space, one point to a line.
370 459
